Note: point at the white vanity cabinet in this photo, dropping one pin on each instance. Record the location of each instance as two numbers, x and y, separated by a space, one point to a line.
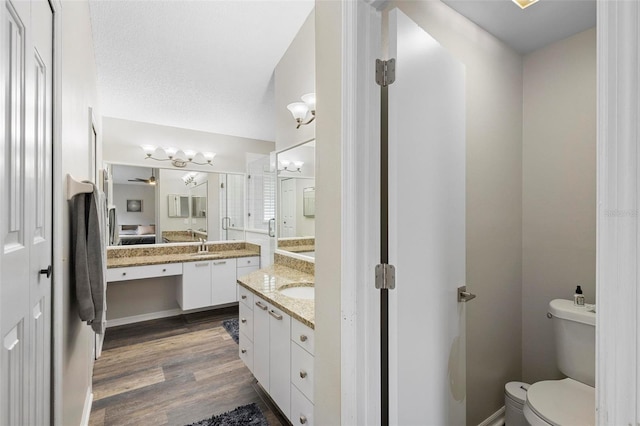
212 282
245 344
195 290
272 352
302 373
223 281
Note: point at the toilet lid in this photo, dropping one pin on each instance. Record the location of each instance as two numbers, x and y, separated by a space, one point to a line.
563 402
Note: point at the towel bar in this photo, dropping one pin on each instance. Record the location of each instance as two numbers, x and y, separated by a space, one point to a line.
75 187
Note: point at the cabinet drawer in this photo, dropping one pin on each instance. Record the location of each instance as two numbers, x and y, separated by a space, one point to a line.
302 371
245 296
248 261
246 270
302 335
301 408
245 350
246 321
140 272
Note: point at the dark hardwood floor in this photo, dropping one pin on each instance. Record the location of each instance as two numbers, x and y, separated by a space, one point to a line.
173 371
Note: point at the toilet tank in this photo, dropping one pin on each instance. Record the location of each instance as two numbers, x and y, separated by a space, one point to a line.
575 337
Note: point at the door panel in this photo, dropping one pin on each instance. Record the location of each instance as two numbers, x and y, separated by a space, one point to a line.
426 229
26 29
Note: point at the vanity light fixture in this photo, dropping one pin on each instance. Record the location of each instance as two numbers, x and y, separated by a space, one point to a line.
300 110
525 3
190 178
290 166
178 158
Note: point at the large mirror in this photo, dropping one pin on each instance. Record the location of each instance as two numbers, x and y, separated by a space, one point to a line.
296 199
155 206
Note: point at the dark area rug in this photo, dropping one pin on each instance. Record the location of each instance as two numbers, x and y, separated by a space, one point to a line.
244 415
232 327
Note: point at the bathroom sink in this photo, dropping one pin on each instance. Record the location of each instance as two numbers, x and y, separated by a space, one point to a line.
303 291
209 255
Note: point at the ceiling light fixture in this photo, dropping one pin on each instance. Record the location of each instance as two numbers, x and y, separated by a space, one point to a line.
177 157
525 3
300 110
290 166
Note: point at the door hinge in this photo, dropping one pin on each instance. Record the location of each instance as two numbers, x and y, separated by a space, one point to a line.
385 277
385 72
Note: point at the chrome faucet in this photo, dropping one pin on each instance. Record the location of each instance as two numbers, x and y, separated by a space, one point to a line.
202 248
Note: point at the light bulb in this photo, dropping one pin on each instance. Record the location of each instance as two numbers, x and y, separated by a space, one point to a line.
148 149
298 164
299 110
310 101
190 154
171 152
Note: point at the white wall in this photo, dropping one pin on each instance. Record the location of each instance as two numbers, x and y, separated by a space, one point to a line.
559 190
122 140
146 193
295 76
73 350
328 261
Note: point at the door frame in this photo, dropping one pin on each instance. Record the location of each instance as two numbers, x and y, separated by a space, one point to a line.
57 343
618 282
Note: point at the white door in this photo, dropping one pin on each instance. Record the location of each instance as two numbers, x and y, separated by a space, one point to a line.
426 229
288 205
25 220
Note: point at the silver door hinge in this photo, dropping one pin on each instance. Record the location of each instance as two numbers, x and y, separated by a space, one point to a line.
385 72
385 277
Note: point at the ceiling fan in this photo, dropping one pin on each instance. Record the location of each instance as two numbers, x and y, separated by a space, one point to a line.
150 181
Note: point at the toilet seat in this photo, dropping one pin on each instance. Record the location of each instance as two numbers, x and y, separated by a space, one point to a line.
565 402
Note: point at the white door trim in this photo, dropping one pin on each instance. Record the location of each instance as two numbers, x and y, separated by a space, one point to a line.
618 298
360 329
57 344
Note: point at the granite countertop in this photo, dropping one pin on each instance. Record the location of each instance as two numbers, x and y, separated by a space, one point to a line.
266 282
299 249
121 262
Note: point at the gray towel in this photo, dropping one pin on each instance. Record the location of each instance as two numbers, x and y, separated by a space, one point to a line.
87 227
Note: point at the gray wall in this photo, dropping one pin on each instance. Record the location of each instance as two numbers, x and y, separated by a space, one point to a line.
74 362
146 193
494 201
559 189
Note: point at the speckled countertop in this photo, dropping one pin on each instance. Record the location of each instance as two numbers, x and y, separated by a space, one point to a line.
121 262
298 249
266 282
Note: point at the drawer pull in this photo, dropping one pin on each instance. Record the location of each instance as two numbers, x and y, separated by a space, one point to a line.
261 306
303 338
243 320
164 270
201 264
244 351
220 263
303 374
124 273
276 316
244 296
303 420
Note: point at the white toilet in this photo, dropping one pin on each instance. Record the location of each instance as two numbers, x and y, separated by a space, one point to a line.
570 401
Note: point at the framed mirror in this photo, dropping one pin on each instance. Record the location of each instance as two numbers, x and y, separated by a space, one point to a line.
295 212
176 205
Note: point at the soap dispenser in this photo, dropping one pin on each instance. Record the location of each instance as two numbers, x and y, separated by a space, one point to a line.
578 297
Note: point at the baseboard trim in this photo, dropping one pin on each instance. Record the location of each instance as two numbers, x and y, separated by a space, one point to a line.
496 419
144 317
86 411
162 314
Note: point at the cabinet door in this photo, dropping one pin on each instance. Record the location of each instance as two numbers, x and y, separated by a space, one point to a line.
280 359
223 281
195 291
261 342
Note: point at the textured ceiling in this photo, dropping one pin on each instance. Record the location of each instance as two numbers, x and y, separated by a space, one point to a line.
526 30
203 65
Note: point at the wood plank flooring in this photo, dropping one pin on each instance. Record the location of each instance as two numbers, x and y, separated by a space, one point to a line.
173 371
